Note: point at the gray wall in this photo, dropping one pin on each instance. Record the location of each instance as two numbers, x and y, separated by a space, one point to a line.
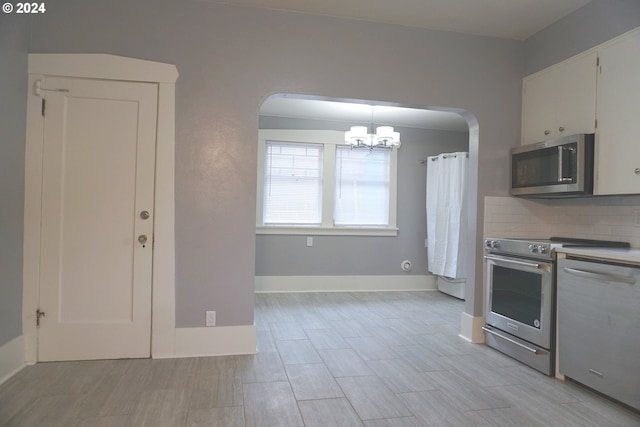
364 255
232 58
595 23
14 42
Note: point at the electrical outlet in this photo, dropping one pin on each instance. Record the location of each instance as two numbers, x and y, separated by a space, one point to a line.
211 318
309 241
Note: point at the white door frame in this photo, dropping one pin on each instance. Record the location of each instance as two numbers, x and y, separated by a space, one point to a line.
106 67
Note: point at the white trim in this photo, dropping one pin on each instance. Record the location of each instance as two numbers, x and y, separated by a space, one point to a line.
471 328
32 219
109 67
101 66
11 358
328 181
329 139
163 294
267 284
308 136
215 341
327 231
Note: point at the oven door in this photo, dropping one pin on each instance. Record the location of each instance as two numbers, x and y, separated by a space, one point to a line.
520 298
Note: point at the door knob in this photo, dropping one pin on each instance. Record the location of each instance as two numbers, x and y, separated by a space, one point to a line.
142 239
637 171
546 132
561 128
144 214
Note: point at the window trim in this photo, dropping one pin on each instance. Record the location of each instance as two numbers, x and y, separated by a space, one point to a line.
329 139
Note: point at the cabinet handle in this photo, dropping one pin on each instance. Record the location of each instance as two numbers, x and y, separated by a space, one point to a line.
637 171
600 276
561 128
546 132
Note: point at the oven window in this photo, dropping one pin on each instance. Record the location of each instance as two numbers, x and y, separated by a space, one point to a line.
517 295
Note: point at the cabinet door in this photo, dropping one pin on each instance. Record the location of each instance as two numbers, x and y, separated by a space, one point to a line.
618 138
577 96
560 101
539 107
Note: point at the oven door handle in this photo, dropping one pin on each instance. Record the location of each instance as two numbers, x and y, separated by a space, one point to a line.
532 350
514 261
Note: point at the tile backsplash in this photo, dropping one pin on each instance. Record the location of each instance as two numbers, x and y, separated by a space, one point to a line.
604 218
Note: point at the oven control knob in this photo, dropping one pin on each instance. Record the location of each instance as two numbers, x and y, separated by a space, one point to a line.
494 244
533 249
542 249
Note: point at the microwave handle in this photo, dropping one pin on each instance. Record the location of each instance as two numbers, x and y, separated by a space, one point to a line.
561 177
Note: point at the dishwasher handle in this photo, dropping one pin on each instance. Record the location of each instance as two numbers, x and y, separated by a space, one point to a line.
600 276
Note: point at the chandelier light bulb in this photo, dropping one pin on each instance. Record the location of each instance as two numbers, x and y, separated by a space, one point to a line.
384 138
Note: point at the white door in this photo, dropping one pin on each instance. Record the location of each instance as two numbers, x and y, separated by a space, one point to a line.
98 179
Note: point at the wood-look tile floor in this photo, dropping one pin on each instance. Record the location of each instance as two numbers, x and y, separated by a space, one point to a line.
375 359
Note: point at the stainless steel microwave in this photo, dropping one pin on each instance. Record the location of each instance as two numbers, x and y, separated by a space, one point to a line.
561 167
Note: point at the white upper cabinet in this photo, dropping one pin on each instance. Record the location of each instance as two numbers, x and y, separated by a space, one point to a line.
618 136
560 100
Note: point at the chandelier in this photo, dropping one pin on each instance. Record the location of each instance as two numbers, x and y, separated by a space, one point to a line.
384 137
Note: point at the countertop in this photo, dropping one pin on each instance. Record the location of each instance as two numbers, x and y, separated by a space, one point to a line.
631 256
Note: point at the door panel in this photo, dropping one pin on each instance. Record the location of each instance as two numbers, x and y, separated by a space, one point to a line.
618 152
98 174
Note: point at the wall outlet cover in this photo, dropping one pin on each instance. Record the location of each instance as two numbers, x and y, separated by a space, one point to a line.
211 318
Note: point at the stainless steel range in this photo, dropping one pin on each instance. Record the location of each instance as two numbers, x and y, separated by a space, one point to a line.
521 296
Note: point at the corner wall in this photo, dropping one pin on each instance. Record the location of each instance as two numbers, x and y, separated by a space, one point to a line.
14 43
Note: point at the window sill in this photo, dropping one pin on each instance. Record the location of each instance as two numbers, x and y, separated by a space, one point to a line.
327 231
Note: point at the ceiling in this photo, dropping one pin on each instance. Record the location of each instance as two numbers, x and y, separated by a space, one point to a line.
510 19
358 113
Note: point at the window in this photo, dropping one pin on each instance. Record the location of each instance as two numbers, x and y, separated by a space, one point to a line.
310 182
293 183
362 187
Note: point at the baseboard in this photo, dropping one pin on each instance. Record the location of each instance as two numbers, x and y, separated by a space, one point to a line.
215 341
266 284
471 328
11 358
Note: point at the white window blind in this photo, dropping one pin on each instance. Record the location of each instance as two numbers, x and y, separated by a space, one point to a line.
292 183
362 187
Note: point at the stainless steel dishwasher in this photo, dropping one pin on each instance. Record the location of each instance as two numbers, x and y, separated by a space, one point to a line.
599 327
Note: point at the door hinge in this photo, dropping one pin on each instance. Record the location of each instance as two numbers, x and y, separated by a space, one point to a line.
596 127
40 88
39 314
43 106
597 61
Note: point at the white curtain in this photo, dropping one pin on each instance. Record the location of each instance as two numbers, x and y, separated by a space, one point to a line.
447 214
